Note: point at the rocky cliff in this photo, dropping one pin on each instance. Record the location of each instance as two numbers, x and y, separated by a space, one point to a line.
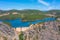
6 32
45 31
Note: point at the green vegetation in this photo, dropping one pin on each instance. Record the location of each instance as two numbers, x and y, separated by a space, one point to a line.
21 36
33 17
10 17
59 29
7 23
5 38
27 15
24 17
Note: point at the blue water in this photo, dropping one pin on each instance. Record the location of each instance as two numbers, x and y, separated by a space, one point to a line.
19 23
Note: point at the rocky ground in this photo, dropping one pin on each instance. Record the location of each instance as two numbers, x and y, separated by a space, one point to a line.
6 32
43 31
46 31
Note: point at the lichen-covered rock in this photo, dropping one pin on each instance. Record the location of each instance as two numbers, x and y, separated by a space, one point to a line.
49 31
6 32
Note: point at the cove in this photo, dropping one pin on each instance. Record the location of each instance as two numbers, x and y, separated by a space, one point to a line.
19 23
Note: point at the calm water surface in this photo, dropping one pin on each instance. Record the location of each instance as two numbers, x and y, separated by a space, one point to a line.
19 23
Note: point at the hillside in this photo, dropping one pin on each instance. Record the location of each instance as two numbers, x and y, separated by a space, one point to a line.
44 32
52 11
24 14
29 11
20 11
6 32
27 14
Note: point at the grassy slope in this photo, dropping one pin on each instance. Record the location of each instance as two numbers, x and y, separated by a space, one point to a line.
21 36
24 16
34 17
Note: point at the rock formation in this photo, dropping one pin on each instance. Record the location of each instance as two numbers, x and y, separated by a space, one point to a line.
45 31
6 32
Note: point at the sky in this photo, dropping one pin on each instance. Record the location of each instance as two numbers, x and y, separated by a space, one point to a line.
29 4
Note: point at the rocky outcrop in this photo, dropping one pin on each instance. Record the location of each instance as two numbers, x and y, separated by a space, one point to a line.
6 32
45 31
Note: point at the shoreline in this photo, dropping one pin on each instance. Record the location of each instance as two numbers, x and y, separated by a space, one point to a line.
19 29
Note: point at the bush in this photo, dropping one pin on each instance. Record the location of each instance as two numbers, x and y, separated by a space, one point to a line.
21 36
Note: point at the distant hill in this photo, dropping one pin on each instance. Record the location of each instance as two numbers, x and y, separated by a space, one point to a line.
56 11
29 11
20 11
